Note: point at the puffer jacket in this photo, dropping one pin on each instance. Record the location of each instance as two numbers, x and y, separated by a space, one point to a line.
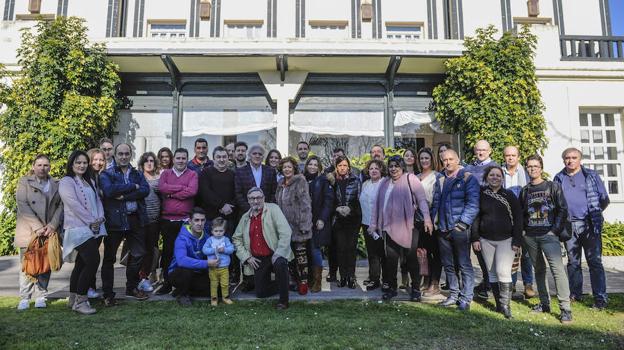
113 186
351 198
294 200
322 195
456 201
187 251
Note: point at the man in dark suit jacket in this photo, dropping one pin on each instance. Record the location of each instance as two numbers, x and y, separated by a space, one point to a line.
254 174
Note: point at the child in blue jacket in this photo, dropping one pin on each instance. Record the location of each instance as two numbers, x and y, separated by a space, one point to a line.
219 247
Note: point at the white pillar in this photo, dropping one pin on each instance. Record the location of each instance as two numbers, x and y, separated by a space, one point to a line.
283 92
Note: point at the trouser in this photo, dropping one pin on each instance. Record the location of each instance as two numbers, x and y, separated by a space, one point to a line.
484 270
430 243
526 269
190 282
316 256
152 231
548 245
219 276
375 254
300 264
265 287
170 230
135 239
346 245
332 254
394 252
585 239
455 250
499 257
85 267
28 286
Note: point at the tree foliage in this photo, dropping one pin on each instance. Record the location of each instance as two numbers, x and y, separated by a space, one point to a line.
64 98
491 93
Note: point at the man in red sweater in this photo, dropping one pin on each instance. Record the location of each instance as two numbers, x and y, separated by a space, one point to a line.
178 187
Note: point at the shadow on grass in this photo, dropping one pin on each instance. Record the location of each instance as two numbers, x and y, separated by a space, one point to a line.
335 324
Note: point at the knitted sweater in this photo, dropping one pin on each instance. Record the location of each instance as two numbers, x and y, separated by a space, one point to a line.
178 193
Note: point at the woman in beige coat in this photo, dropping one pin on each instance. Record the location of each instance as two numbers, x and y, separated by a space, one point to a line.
293 198
39 212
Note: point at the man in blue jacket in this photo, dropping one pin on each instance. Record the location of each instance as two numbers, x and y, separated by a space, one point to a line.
456 204
587 197
188 271
124 190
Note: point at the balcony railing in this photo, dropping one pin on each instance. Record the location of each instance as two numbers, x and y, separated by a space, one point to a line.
592 48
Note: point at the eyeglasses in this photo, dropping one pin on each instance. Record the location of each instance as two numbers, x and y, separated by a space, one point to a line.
107 149
255 198
533 167
391 166
256 153
123 153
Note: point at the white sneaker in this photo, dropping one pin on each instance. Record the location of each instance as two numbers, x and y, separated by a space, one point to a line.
145 286
40 303
24 304
92 294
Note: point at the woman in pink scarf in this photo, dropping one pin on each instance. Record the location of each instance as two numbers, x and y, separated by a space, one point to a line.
399 198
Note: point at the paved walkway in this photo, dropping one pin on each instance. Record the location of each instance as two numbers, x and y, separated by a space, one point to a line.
59 283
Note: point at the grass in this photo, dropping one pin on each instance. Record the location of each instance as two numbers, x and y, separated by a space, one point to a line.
335 324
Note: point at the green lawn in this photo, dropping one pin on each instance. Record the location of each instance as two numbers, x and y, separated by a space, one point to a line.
336 324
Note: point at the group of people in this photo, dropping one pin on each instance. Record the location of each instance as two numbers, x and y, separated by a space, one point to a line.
247 214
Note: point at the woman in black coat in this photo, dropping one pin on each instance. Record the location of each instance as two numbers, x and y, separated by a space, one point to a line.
322 195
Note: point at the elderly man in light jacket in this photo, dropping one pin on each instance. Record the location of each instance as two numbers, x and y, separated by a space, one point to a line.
262 241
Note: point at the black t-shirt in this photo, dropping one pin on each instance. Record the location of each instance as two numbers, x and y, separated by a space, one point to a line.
539 209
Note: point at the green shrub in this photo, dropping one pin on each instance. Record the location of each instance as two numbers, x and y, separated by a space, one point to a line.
613 239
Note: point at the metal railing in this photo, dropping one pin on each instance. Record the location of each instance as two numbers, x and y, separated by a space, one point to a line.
592 48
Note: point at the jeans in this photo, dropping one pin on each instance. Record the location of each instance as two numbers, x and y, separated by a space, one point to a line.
456 250
86 266
135 239
170 231
28 287
262 278
548 245
190 282
394 252
375 254
526 269
585 239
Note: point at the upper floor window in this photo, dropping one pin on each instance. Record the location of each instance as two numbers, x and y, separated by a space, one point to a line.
601 144
243 29
329 29
168 30
408 31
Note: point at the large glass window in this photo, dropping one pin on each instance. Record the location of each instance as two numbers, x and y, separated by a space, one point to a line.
146 125
601 144
250 119
414 125
352 123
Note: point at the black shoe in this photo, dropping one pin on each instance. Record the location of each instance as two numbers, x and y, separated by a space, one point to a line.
137 294
389 294
565 317
281 306
575 299
541 308
372 285
175 293
599 306
110 302
247 287
444 286
415 295
481 291
331 277
351 282
365 283
164 289
449 302
342 282
463 306
184 300
385 287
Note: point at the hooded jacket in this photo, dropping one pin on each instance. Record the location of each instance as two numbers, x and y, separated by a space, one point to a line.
187 252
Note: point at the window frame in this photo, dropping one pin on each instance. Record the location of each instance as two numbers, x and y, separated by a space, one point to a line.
168 33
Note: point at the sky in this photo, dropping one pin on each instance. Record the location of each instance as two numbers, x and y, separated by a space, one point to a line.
617 16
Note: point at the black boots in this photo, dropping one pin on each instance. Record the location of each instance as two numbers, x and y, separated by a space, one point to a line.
497 295
505 298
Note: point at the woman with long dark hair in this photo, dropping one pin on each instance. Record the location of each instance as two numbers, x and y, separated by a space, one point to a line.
148 164
273 159
165 158
348 218
84 224
322 196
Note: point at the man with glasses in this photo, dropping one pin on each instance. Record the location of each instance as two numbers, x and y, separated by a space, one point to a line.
545 215
262 240
587 198
124 189
106 146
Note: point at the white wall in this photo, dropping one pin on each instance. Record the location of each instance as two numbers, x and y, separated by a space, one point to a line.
404 11
94 12
480 14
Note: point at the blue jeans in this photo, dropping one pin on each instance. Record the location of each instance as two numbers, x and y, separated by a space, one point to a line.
526 269
457 247
584 238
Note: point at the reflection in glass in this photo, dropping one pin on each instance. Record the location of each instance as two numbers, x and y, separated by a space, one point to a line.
583 119
596 119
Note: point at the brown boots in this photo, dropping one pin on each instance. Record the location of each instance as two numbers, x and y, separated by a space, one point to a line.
317 274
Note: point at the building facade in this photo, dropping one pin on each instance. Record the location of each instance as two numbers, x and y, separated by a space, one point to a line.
338 73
